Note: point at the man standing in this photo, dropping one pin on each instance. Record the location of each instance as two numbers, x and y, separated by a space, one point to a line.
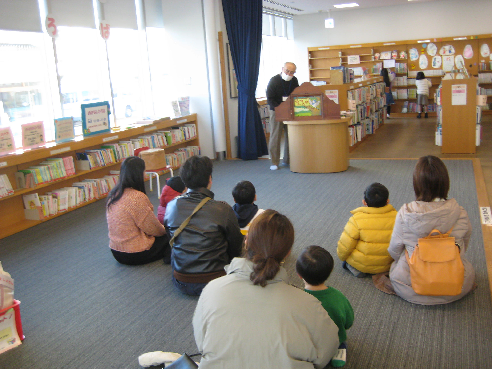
211 238
278 89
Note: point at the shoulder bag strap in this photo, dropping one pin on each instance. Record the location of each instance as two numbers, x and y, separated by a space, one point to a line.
187 220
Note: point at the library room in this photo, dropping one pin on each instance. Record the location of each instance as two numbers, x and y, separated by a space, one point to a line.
174 174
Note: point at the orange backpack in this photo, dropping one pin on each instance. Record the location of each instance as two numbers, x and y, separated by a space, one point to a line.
436 268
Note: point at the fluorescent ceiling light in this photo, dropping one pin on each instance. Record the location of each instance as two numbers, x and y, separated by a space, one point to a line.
350 5
329 23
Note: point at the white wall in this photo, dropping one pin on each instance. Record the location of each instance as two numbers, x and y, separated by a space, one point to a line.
187 63
411 21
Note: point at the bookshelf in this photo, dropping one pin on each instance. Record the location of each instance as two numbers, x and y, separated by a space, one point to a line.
369 106
12 217
370 58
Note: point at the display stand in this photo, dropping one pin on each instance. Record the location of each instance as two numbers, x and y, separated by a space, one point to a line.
318 137
458 119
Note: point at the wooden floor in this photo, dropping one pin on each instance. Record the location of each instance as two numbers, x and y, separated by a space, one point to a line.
401 138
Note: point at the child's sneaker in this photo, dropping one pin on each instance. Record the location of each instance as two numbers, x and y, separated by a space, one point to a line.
340 358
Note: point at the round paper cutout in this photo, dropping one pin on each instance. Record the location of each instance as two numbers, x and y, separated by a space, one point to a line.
484 50
436 61
447 50
459 62
468 52
431 49
423 62
414 54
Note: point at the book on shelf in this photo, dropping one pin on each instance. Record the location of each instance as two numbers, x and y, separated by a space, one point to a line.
62 197
31 201
5 186
184 105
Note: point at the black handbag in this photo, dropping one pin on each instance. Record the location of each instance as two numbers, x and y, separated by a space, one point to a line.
184 362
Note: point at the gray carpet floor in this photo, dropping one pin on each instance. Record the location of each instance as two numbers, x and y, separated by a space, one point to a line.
81 309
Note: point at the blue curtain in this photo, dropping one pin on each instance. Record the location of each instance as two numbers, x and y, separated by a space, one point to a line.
243 20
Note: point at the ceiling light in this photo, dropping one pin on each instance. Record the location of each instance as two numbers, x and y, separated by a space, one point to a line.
422 41
350 5
459 38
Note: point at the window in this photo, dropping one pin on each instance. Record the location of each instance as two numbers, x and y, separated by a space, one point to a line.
275 50
82 69
24 82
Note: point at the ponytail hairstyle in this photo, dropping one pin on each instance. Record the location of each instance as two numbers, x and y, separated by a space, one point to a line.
269 241
131 176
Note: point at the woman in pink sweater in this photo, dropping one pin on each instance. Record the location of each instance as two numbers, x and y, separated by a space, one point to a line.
135 235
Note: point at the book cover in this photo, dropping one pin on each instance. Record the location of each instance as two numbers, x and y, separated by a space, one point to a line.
31 201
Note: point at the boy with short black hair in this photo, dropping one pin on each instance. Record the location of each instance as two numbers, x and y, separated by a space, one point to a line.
314 265
363 245
244 194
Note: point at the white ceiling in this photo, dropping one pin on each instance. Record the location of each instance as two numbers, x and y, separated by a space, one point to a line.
300 7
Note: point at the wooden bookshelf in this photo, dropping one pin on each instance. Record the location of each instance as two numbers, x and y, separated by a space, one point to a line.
12 217
368 50
343 101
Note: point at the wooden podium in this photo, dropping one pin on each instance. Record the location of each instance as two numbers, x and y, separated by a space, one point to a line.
459 116
318 137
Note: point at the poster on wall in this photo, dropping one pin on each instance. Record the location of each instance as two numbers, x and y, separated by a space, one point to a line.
7 144
448 63
32 135
95 118
64 131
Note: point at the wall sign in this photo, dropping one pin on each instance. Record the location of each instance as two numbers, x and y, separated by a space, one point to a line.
95 118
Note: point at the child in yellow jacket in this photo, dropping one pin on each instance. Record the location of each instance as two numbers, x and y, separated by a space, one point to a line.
363 245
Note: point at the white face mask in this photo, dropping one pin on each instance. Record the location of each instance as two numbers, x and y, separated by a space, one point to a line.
286 77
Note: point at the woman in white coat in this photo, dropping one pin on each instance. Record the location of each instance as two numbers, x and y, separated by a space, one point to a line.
251 318
431 210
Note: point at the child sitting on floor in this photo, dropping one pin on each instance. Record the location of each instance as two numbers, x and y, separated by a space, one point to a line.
244 194
363 245
314 266
173 188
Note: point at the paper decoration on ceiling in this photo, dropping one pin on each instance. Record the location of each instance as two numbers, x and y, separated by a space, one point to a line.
468 52
484 50
414 54
431 49
436 61
459 62
447 50
423 63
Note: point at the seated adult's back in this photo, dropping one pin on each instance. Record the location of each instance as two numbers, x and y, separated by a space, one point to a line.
211 238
